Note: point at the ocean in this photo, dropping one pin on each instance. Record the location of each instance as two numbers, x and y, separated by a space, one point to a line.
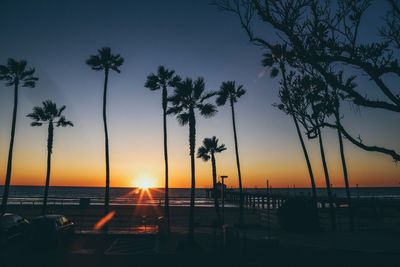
178 196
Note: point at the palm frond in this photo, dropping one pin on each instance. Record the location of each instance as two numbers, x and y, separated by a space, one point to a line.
209 143
240 91
34 116
34 124
274 72
198 88
222 97
17 71
152 82
203 153
207 96
220 148
40 112
207 110
63 122
174 81
224 93
183 118
174 110
48 112
94 62
61 110
105 60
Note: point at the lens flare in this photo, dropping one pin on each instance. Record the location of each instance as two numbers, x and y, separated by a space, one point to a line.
104 220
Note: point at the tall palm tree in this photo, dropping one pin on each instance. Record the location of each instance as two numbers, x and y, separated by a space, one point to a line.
278 62
51 115
335 102
207 151
189 96
316 96
229 92
14 73
105 61
162 80
288 107
309 107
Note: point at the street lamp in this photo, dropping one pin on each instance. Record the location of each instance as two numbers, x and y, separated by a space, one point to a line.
223 177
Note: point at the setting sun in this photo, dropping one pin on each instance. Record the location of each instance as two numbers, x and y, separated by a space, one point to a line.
144 182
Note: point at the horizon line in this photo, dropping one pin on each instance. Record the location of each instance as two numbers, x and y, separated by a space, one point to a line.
137 187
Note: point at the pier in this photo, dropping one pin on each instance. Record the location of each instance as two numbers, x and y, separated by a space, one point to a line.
369 212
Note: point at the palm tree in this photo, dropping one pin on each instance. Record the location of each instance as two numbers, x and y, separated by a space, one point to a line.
162 80
335 102
207 151
277 60
15 73
51 115
105 61
315 93
188 97
289 108
310 109
229 92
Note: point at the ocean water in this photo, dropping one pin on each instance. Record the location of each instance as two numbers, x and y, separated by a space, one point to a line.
178 196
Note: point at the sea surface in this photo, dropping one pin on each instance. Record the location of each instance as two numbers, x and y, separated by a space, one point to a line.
178 196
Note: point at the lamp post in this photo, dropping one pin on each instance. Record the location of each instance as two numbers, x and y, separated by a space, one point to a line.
223 177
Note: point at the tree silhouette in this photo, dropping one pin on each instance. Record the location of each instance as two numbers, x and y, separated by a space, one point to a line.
162 80
207 151
310 96
278 64
189 96
328 99
335 105
15 73
228 92
105 61
326 38
51 115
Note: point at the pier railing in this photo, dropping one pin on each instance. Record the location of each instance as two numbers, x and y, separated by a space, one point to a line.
369 212
95 201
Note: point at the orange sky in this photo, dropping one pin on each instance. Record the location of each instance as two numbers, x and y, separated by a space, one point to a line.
81 163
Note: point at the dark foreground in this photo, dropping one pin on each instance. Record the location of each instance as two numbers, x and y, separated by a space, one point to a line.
133 241
150 250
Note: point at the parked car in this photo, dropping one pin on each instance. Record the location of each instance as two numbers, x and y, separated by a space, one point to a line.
50 230
12 227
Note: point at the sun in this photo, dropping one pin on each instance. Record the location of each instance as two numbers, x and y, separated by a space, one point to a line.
144 182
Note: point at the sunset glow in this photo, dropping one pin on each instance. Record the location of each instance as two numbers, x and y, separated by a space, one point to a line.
144 183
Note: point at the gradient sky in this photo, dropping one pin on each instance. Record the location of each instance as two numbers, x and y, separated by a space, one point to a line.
193 38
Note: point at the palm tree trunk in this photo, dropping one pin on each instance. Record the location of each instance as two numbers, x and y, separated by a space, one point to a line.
192 144
303 146
214 175
241 219
310 171
10 152
49 151
107 190
345 174
166 193
328 182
